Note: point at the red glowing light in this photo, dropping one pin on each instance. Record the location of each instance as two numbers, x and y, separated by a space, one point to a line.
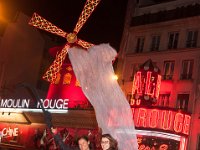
141 119
137 83
186 124
166 123
158 86
167 120
67 86
146 84
153 120
178 122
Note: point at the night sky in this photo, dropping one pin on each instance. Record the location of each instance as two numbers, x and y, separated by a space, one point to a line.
105 25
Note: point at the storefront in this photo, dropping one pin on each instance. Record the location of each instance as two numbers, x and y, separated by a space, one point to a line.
156 128
29 130
23 124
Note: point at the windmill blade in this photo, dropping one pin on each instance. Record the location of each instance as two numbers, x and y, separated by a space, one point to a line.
84 44
89 7
54 69
41 23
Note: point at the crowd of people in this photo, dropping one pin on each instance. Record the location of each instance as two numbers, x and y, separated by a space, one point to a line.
45 141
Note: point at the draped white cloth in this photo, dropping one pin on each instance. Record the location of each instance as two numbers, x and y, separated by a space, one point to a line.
93 68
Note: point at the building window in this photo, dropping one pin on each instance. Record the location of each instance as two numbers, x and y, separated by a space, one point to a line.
168 70
163 100
191 39
187 68
155 42
173 40
182 101
198 145
140 44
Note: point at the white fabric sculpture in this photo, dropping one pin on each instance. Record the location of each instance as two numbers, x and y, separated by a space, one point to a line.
93 68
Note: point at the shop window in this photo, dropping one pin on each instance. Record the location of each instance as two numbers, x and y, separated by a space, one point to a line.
155 42
163 100
140 44
182 101
191 39
168 70
187 69
173 40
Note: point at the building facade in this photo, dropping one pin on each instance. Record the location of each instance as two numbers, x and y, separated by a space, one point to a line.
167 32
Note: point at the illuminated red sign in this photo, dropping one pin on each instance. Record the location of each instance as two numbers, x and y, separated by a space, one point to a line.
167 120
146 84
157 143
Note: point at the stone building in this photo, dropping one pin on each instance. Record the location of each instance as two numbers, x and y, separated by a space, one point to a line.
167 32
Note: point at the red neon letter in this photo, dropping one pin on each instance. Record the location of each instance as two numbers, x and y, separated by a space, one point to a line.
138 102
178 122
167 119
137 83
149 90
186 124
158 86
153 119
141 119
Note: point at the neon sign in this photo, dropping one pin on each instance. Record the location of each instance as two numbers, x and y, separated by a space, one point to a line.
9 132
26 103
167 120
146 85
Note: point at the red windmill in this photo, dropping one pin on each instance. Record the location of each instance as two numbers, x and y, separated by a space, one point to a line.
54 73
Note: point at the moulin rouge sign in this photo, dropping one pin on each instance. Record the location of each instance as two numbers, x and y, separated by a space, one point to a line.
26 103
167 120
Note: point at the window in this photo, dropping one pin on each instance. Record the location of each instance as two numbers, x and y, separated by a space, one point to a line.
155 43
198 146
187 68
173 40
168 70
163 100
191 39
140 44
182 101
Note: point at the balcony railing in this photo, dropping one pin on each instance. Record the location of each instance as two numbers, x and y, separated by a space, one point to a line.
186 76
167 77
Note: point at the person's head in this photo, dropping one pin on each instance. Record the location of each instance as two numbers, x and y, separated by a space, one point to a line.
108 142
83 143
